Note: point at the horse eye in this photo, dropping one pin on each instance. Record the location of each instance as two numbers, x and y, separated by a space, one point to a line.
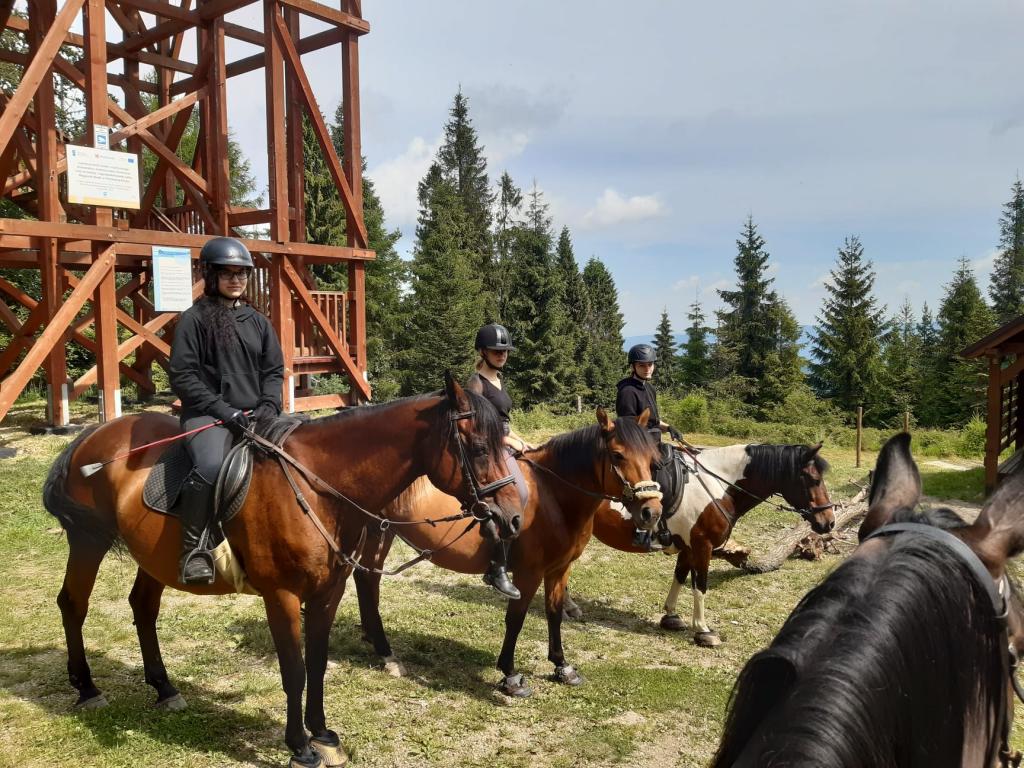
618 456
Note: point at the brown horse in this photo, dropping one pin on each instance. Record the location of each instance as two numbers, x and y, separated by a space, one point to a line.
569 478
368 454
724 484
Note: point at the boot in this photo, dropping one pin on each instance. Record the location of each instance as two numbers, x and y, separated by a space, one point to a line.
497 575
196 564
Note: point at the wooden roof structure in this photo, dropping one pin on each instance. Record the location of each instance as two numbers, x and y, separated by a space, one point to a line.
1004 349
100 258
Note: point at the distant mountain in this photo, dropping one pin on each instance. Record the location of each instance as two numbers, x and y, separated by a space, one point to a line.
806 335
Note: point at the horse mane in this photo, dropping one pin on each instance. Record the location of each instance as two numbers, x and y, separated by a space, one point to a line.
782 463
578 450
883 664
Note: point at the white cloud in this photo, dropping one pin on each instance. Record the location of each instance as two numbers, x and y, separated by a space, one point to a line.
687 282
715 287
397 180
612 208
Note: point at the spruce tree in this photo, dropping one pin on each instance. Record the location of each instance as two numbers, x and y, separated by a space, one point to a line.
576 305
901 367
443 308
665 374
846 362
963 319
782 362
926 391
509 202
535 315
607 362
695 360
1006 286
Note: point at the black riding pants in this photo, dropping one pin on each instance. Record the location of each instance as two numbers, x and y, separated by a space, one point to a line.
207 448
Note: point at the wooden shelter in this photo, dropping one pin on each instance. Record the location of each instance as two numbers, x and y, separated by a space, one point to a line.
1004 349
100 258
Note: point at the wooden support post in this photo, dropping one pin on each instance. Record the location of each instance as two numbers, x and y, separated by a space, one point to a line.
993 423
296 159
860 431
217 139
352 165
906 422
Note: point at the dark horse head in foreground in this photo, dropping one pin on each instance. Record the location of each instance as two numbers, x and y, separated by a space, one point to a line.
900 657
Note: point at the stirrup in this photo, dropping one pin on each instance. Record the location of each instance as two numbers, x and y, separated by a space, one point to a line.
196 558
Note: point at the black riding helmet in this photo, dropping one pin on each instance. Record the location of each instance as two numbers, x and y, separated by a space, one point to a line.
494 336
642 353
222 252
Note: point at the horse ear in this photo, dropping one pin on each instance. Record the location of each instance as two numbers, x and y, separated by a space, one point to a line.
607 425
812 452
999 529
644 417
896 484
453 390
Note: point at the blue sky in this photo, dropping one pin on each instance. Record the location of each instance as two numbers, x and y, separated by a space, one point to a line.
655 127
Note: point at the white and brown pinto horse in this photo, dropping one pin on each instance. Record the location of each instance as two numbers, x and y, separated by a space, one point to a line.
724 484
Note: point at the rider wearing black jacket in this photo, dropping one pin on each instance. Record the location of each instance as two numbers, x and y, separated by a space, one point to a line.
225 361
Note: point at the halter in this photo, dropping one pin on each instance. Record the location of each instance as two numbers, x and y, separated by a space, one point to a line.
996 592
642 491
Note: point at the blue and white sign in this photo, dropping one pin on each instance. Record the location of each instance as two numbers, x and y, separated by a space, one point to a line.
172 278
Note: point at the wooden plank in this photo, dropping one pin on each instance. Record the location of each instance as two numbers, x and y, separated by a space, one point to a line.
330 15
219 172
245 34
214 8
320 129
12 386
277 158
6 8
36 71
993 425
163 9
156 116
340 349
320 402
19 24
169 62
21 340
135 44
156 181
294 140
1011 372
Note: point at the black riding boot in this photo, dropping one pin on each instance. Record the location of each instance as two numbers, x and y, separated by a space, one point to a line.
497 575
196 565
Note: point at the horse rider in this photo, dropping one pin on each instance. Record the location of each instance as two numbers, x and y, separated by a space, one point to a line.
636 392
225 361
493 343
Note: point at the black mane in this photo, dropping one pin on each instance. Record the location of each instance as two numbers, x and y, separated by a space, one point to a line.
580 449
883 664
780 464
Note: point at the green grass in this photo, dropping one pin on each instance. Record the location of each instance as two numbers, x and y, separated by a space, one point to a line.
651 698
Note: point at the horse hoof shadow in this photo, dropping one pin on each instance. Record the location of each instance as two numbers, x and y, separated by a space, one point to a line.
394 667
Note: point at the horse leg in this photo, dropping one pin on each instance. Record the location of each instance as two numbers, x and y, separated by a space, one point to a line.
514 684
320 614
368 594
84 560
570 610
703 635
554 604
671 620
286 628
145 602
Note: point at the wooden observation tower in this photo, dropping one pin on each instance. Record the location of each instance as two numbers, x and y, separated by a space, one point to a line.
139 90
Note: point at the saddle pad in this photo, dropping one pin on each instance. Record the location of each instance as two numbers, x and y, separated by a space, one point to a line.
166 478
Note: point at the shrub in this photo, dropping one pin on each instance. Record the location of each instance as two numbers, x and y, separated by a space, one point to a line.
689 414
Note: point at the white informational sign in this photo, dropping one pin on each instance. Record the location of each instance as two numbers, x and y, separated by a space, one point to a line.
102 177
172 278
101 136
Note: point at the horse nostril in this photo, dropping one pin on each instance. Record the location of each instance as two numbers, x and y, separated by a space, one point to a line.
646 515
514 523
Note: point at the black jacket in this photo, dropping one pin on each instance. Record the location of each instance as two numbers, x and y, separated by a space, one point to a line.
633 397
216 381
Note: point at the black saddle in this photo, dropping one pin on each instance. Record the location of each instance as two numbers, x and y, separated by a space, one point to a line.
672 474
166 478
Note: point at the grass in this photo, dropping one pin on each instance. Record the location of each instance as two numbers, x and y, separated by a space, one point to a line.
651 698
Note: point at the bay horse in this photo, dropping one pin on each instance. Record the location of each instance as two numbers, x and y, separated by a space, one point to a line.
368 454
723 485
903 657
569 478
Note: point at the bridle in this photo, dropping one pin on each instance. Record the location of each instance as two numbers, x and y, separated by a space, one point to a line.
642 491
996 592
479 508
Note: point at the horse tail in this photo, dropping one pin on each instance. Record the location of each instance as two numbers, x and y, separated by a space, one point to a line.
79 521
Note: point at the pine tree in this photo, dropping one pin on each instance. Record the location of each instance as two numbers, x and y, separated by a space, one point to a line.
462 160
506 219
901 367
782 363
695 361
1006 286
444 310
665 375
576 305
535 315
926 392
607 362
846 362
963 319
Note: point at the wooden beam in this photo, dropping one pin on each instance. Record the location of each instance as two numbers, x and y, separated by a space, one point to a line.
245 34
277 157
214 8
353 214
36 71
163 9
18 24
157 116
219 172
993 425
330 15
339 347
156 181
11 387
1006 375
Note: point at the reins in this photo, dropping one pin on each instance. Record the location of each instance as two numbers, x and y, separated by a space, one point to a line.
649 489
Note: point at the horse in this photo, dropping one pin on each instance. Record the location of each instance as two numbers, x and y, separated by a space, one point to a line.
349 465
568 478
723 485
903 657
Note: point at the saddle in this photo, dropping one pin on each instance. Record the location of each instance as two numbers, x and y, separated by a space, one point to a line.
166 478
672 473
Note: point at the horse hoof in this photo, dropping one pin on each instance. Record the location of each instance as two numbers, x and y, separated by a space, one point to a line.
672 622
515 686
334 755
174 703
394 667
310 760
99 701
709 639
567 675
